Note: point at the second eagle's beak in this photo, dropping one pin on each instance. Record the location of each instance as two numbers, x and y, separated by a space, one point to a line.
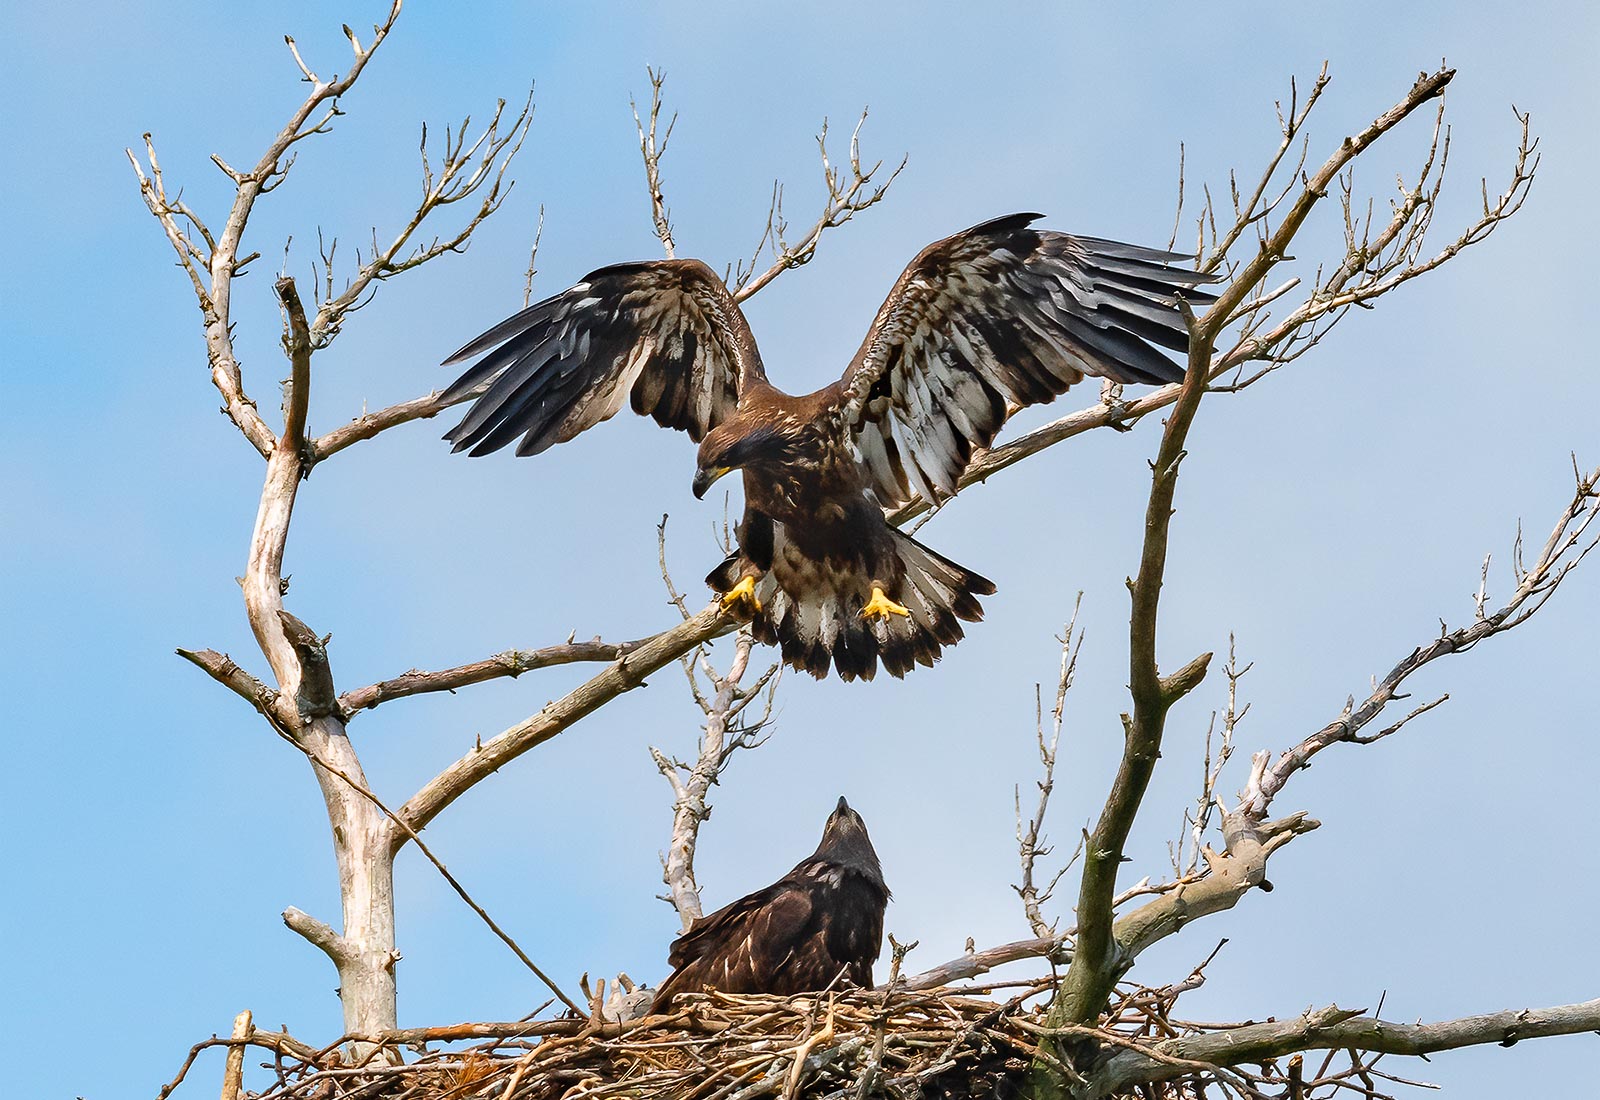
703 480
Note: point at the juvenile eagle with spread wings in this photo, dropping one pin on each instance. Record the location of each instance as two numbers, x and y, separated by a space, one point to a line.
798 935
988 321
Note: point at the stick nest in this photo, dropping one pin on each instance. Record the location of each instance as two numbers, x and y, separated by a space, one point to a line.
936 1044
715 1046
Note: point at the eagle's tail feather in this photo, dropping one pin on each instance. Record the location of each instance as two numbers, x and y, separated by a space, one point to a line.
938 594
822 625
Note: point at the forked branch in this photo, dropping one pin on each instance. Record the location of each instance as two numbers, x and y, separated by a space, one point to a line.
1097 957
652 149
846 199
1030 834
1377 260
464 171
211 268
1250 838
625 674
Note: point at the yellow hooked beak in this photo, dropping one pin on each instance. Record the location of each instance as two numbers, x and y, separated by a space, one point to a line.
704 479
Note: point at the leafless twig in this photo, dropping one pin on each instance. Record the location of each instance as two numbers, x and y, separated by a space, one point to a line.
652 150
1030 844
846 199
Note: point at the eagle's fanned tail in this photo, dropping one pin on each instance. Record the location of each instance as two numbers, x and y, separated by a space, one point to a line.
812 610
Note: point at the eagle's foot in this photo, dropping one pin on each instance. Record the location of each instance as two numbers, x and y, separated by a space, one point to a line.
881 606
741 598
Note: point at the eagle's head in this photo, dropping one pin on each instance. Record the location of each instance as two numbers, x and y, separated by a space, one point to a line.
845 844
733 445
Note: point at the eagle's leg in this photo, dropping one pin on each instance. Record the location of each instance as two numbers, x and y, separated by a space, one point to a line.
881 606
735 579
741 598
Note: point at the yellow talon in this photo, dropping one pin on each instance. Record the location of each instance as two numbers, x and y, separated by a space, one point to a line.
881 606
743 592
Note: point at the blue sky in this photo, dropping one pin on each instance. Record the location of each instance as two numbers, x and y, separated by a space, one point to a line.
1328 517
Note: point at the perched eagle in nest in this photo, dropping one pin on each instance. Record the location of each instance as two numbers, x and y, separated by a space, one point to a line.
981 324
798 935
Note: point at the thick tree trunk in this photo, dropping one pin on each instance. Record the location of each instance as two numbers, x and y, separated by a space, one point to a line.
364 952
365 855
306 710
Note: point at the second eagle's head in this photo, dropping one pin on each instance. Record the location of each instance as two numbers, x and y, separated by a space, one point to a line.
845 844
739 442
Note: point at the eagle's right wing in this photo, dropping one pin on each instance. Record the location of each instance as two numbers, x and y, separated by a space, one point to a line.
665 331
742 946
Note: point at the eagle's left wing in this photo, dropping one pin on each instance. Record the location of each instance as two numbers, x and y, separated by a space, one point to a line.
993 319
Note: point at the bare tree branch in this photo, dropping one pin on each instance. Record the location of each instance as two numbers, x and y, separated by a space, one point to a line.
233 1069
1193 839
652 150
368 425
297 347
1249 838
1030 845
1374 265
222 669
845 201
1333 1028
1095 965
197 264
464 170
512 663
1098 957
1562 551
533 260
722 735
627 673
221 261
973 963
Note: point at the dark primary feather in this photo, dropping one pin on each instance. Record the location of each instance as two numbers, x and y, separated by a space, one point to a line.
824 918
996 318
666 332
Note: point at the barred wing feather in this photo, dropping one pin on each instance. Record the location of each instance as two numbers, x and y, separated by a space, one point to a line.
994 319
